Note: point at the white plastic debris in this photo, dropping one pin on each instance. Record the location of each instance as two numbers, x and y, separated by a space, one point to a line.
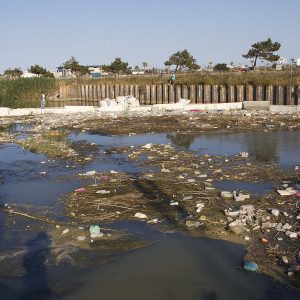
275 212
244 154
95 231
65 231
140 216
147 146
103 192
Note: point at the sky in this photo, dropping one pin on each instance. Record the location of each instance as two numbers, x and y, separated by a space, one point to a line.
49 32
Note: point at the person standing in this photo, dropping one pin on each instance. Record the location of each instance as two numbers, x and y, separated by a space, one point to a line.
172 78
43 101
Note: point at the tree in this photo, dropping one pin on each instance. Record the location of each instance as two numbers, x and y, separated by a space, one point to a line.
118 66
183 60
221 67
145 65
76 69
263 50
40 71
13 73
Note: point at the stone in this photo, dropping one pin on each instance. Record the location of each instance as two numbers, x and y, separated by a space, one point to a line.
284 259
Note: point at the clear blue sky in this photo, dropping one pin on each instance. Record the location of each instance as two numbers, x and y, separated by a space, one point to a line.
48 32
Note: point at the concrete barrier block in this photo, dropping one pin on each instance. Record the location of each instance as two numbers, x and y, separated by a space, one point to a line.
25 111
4 111
215 106
284 109
257 105
78 109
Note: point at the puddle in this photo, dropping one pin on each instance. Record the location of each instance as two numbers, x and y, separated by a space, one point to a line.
279 147
258 189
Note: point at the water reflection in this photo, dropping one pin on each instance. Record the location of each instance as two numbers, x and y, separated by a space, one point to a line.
282 147
182 140
34 262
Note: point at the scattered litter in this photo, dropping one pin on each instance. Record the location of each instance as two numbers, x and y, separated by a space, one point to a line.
81 238
89 173
140 216
80 190
103 192
244 154
95 231
65 231
250 266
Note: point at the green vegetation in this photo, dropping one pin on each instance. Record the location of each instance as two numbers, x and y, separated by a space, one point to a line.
182 60
221 67
76 69
38 70
117 67
25 92
284 78
263 50
13 73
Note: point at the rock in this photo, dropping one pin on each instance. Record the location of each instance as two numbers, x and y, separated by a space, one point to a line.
275 212
140 216
203 218
191 180
191 223
95 231
187 198
165 170
250 266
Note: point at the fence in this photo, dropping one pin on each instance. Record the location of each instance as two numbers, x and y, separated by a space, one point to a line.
161 93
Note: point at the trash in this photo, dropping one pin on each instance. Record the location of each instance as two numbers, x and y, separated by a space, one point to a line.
191 223
81 238
250 266
241 197
247 238
153 221
95 231
57 226
264 241
165 170
103 192
287 192
140 216
148 146
43 173
65 231
191 180
226 194
275 212
244 154
113 172
89 173
173 203
285 259
80 190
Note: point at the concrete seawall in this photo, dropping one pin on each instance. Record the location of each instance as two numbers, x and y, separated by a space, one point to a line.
7 112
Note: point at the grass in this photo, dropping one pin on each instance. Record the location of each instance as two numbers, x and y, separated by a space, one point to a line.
25 92
284 78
